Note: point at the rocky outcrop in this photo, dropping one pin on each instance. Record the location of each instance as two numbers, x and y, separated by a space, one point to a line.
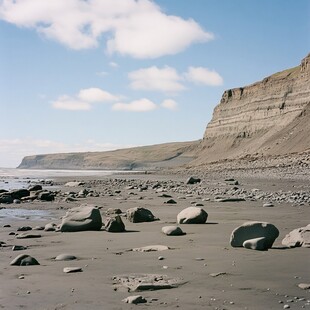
270 117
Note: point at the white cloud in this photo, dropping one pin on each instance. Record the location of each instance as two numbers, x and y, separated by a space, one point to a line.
68 103
13 150
166 79
141 105
169 104
96 95
84 99
136 28
200 75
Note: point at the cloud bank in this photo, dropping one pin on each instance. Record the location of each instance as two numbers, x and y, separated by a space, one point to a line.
139 29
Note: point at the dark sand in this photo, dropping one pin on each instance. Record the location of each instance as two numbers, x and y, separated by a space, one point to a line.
252 279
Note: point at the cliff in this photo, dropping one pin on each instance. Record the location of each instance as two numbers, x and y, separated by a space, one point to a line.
267 118
138 158
270 117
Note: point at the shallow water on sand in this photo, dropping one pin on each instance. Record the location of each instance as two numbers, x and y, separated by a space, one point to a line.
22 214
11 178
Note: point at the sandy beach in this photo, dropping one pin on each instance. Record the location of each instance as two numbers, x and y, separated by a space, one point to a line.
209 272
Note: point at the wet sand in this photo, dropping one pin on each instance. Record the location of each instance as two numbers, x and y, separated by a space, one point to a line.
250 279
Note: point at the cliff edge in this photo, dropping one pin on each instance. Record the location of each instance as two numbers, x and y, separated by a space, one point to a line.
270 117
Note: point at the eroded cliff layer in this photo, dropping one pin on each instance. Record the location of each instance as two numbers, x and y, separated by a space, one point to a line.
270 117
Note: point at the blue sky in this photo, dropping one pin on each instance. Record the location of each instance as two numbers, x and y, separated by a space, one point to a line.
104 74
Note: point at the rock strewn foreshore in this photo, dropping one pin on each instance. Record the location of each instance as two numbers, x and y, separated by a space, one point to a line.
197 267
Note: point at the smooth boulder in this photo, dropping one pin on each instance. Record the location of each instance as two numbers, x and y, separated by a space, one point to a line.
299 237
24 260
139 215
252 230
172 231
192 215
85 217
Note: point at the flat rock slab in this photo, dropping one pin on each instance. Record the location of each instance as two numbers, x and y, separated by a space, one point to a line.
27 236
151 248
229 199
72 269
145 282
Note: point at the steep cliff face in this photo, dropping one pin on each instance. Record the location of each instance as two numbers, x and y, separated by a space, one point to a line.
266 117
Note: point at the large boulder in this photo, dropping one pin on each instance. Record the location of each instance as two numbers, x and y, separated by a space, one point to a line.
252 230
299 237
85 217
139 214
192 215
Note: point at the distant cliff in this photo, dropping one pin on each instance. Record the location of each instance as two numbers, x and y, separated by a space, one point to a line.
270 117
138 158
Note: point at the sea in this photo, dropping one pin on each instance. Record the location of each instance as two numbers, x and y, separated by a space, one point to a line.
11 178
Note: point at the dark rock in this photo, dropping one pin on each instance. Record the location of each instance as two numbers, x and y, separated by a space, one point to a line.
19 193
171 201
46 196
18 248
193 180
139 214
24 260
114 224
35 188
24 228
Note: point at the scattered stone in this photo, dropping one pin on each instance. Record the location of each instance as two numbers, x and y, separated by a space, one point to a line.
229 199
170 201
6 226
50 227
65 257
114 224
252 230
18 248
216 274
304 286
19 193
151 248
138 299
74 184
139 214
46 196
24 228
165 196
268 205
16 201
193 180
192 215
72 269
39 228
34 188
299 237
256 244
27 236
85 217
24 260
172 231
161 258
112 211
286 306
